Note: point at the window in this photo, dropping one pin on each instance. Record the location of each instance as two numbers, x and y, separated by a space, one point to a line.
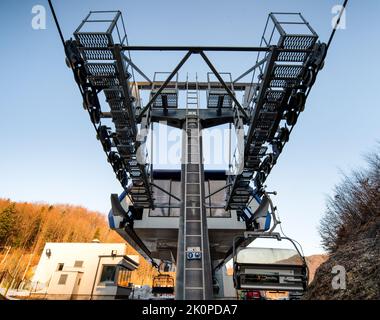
216 201
124 277
108 274
174 187
62 279
78 264
60 266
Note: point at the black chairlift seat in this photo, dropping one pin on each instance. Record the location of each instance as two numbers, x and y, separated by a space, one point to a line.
163 284
270 269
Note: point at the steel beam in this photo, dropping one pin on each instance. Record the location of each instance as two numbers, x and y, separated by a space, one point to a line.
220 189
258 64
138 70
182 85
218 76
164 191
180 64
198 49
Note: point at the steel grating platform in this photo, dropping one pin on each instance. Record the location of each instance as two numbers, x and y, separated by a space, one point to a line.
106 70
281 83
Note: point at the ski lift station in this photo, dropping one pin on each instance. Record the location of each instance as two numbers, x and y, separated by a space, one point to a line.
190 216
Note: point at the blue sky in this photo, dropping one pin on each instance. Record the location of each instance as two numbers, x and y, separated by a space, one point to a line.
49 152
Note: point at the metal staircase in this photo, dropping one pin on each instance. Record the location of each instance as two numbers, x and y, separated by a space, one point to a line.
106 70
284 78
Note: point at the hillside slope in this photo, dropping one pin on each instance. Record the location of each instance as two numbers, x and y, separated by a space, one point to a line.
26 227
362 273
314 262
350 232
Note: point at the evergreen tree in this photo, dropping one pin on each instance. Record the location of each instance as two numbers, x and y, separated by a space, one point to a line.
7 224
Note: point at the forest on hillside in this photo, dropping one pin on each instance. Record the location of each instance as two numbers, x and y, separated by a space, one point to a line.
350 232
26 227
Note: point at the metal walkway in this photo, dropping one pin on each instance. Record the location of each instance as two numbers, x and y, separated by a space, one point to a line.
275 102
106 70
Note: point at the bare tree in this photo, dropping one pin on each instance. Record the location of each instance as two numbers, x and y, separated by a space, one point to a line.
354 207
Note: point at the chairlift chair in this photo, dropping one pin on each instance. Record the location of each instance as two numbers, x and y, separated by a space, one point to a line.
272 269
163 284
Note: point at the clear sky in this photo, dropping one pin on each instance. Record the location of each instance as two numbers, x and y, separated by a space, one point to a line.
49 152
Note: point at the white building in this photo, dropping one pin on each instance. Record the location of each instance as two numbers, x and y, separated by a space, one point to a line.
84 271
